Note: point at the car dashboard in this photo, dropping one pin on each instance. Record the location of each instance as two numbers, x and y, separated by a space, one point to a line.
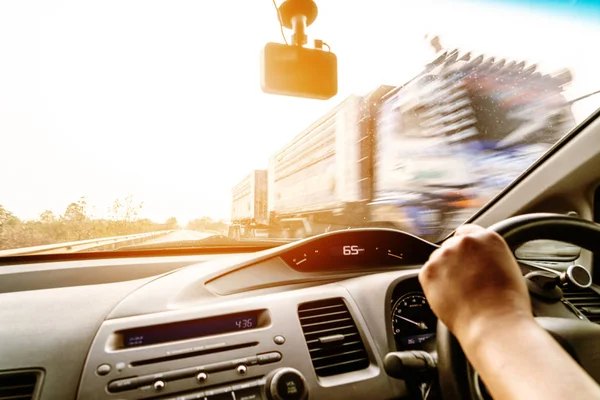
311 318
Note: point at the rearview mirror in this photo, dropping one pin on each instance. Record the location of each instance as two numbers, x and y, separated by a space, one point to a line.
298 71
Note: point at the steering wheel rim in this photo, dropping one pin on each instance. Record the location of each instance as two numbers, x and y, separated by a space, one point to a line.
455 372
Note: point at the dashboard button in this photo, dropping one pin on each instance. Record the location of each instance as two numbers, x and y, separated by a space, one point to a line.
202 377
286 384
248 394
219 390
245 385
251 360
103 369
266 358
290 387
150 379
222 396
123 384
159 385
221 393
279 339
242 369
190 396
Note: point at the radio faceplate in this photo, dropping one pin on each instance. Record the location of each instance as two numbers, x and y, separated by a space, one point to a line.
215 366
206 365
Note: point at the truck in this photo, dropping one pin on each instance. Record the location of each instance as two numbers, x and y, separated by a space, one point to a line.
249 209
419 157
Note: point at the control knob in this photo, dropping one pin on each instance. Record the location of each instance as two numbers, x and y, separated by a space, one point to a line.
286 384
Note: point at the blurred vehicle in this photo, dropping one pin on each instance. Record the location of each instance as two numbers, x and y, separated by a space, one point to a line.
421 157
249 205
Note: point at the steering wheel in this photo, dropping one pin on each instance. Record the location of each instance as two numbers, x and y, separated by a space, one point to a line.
580 338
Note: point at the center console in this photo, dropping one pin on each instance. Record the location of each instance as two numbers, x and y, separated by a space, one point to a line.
248 349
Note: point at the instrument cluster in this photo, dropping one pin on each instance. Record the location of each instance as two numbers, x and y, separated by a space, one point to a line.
412 320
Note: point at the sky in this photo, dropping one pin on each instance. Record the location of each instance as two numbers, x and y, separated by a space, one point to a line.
162 100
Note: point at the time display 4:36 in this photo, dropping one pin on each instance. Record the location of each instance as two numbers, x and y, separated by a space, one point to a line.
244 323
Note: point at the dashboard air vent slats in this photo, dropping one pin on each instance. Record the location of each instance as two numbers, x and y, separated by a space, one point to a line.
18 385
333 341
587 301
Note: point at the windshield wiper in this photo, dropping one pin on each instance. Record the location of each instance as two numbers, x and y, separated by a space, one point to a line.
208 242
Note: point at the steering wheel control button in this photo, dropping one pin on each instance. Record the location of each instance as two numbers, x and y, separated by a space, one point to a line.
242 369
202 377
267 358
576 275
103 369
279 340
286 384
159 385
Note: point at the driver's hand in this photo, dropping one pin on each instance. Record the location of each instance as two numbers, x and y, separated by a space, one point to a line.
472 278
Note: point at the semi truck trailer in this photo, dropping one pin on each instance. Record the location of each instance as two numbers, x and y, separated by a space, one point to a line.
420 157
249 205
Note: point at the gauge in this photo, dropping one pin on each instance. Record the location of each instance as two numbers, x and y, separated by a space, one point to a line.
413 322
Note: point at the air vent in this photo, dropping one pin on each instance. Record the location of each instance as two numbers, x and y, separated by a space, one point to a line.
587 301
19 385
333 340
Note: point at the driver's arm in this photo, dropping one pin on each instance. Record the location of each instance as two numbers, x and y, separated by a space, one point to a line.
475 287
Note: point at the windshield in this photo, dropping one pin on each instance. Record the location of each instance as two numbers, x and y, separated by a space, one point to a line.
144 121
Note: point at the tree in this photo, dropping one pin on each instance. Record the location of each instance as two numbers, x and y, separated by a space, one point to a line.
76 223
171 223
76 211
126 210
48 217
7 218
9 226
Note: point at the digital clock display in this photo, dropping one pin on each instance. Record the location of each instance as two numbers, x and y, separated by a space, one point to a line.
190 329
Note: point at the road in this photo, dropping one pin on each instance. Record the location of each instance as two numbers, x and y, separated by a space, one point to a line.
179 236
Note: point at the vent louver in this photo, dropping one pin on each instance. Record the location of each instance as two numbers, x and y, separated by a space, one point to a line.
18 385
587 301
332 338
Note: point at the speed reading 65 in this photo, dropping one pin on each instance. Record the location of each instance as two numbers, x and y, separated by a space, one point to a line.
352 250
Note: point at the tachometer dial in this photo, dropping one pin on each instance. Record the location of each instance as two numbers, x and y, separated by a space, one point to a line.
413 322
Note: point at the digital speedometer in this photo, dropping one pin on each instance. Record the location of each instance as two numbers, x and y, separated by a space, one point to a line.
413 322
358 249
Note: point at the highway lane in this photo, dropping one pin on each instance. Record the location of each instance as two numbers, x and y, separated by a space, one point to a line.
179 236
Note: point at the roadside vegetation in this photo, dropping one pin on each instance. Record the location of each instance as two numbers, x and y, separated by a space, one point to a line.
78 223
